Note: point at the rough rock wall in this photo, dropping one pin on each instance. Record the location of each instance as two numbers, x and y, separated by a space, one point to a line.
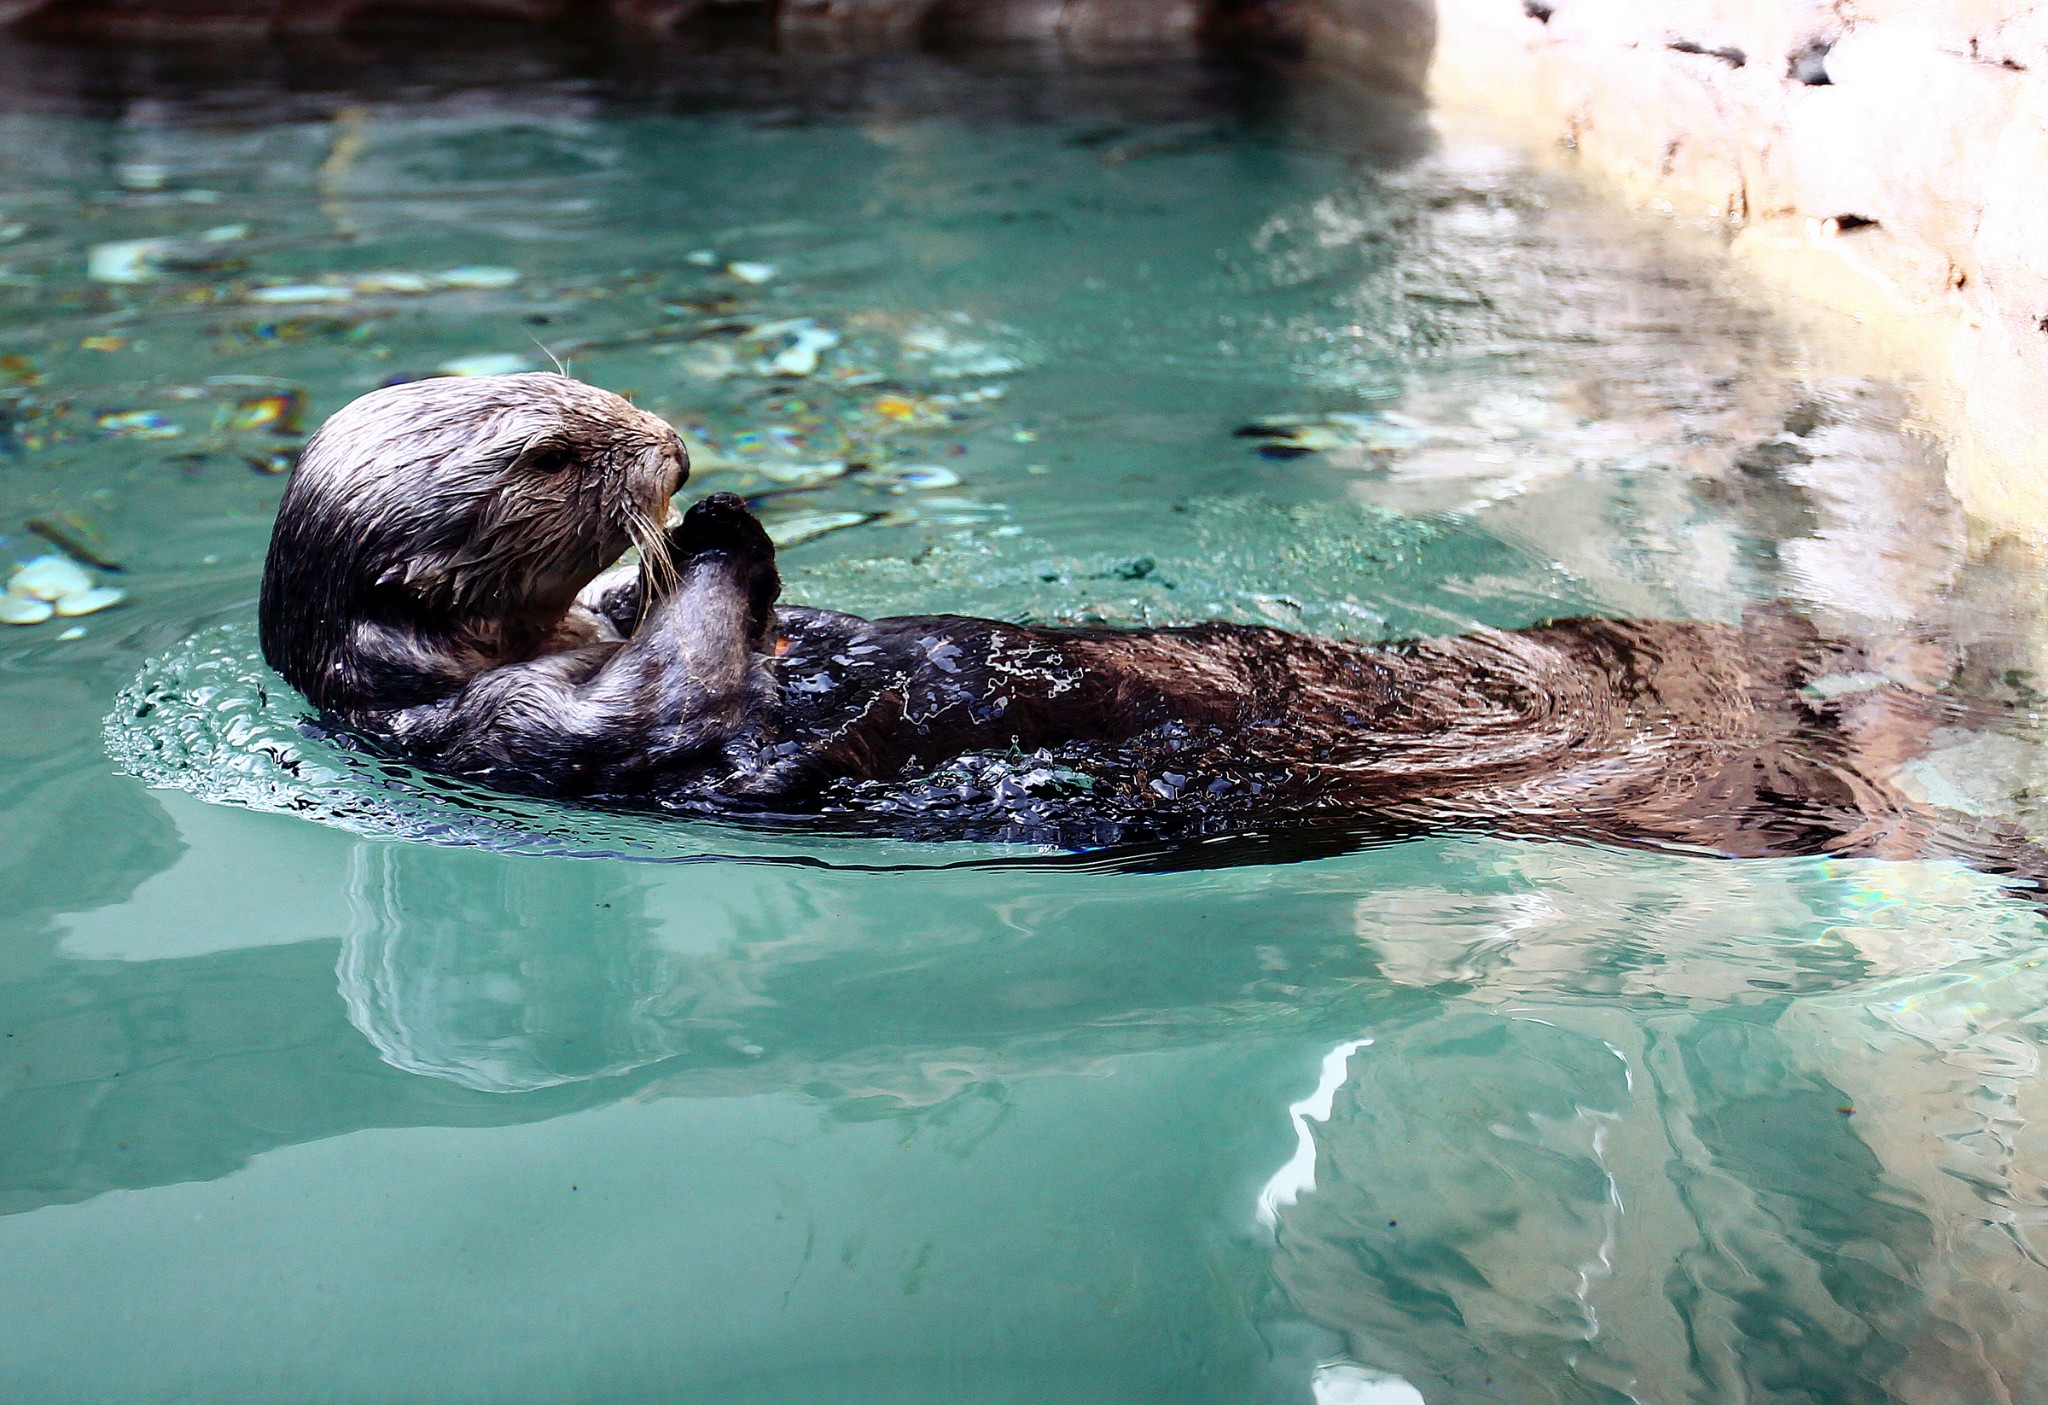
1889 157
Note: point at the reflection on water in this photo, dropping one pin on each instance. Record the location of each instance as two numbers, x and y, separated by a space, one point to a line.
306 1109
1705 1206
1613 1123
487 999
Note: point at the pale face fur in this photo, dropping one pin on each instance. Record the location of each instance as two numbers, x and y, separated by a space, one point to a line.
471 508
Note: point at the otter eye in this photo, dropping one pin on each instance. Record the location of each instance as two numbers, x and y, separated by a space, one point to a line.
550 461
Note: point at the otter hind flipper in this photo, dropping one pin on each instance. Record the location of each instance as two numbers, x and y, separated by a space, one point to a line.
615 598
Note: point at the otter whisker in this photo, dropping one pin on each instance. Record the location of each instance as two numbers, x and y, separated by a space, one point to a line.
656 562
559 366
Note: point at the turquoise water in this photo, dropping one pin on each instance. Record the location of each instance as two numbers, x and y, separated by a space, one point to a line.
325 1083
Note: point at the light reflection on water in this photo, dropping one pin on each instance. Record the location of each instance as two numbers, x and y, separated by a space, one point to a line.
307 1108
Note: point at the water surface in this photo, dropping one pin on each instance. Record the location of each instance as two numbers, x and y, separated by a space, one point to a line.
322 1086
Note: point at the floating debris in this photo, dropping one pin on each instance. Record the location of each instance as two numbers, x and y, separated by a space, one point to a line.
276 461
392 281
23 609
793 528
1290 441
914 411
488 364
142 175
751 272
76 537
345 287
799 344
659 338
126 261
103 343
947 348
90 601
802 475
923 477
715 303
703 258
146 260
977 396
236 382
12 231
49 578
853 377
138 424
1291 436
476 276
277 412
711 361
54 585
301 292
20 370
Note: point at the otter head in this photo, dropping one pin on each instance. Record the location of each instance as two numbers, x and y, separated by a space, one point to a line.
459 516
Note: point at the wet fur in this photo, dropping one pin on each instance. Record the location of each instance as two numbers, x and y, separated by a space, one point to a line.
436 582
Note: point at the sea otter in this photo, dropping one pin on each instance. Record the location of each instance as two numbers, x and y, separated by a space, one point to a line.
437 585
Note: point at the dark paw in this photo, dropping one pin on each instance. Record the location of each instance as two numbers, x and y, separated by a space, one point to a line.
720 522
721 526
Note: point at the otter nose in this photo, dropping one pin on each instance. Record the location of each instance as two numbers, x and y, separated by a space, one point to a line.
678 462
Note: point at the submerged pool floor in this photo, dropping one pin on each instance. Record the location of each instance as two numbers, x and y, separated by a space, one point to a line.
321 1089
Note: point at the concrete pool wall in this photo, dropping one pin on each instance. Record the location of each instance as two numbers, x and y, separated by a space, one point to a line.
1884 159
1888 158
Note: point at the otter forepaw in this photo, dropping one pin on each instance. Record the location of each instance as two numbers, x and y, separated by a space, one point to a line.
720 522
720 525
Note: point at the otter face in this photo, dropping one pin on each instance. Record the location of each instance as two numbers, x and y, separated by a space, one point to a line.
460 506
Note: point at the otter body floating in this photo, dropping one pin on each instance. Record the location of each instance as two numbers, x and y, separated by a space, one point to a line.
441 581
